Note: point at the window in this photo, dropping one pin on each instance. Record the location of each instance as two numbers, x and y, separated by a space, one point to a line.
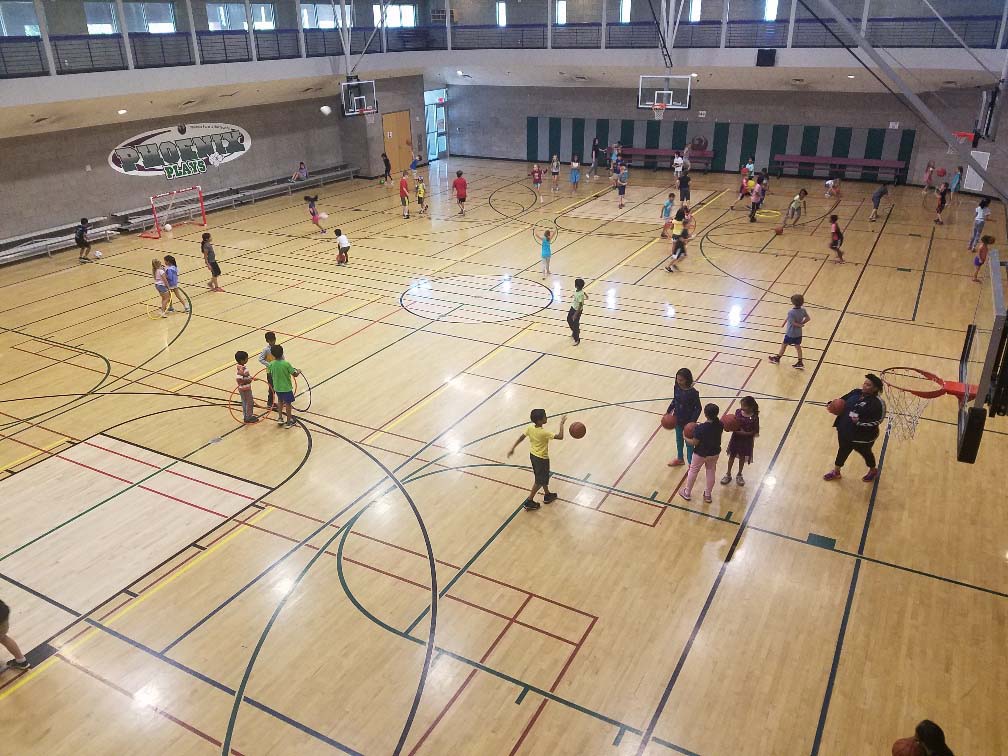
624 11
694 11
17 19
156 18
770 10
501 14
323 15
396 16
101 18
262 16
226 16
561 12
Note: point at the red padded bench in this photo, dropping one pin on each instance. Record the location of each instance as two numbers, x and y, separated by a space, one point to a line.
837 167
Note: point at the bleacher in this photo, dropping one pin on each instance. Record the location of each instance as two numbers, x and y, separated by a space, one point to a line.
50 240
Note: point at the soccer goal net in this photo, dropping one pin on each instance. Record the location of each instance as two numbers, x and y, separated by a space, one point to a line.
175 208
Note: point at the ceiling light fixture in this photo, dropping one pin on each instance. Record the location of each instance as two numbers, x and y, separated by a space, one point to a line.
459 72
850 76
695 75
122 111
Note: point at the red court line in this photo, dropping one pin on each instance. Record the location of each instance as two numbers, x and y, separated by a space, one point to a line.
156 709
469 677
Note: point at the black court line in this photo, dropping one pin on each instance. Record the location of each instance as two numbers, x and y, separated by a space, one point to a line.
920 289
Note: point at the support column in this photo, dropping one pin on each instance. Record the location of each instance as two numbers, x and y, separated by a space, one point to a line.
605 23
1004 20
447 20
344 32
192 33
864 16
44 33
300 23
251 31
121 21
549 23
724 25
791 20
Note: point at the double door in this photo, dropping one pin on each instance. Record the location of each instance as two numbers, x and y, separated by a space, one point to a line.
398 136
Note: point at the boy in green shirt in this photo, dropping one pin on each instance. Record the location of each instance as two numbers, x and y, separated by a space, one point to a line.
282 372
539 439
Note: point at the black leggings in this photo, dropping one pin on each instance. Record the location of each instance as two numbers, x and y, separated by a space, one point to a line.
846 446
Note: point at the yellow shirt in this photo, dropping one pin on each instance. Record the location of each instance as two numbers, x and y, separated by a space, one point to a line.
539 439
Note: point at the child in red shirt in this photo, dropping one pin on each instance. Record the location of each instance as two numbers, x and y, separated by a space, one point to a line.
404 195
244 380
459 188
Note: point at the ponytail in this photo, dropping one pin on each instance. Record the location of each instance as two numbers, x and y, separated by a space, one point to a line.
932 737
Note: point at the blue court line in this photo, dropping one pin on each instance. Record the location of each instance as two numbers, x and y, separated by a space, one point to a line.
828 695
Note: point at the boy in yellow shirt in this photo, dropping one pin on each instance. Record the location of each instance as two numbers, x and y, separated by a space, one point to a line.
539 438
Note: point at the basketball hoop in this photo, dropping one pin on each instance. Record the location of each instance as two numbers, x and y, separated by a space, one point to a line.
371 116
910 392
962 137
659 110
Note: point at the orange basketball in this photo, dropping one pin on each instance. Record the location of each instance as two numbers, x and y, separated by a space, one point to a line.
689 429
730 422
836 406
668 421
779 230
578 430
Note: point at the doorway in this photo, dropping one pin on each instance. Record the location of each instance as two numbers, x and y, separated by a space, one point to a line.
398 139
435 117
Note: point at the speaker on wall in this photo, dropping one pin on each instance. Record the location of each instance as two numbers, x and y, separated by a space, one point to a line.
766 58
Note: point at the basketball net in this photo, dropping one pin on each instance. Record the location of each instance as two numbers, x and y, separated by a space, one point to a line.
659 110
909 392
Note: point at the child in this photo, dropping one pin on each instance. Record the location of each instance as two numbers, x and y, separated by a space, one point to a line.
706 446
666 215
755 201
161 284
265 358
388 169
956 184
316 216
742 191
539 439
678 253
980 258
740 445
547 251
404 195
343 244
414 162
750 167
763 177
621 184
19 661
686 406
876 200
210 259
833 188
244 380
576 308
796 319
677 164
929 177
459 188
171 278
575 173
593 168
536 174
796 208
555 172
943 193
421 195
83 245
836 238
281 372
683 185
300 174
683 225
982 213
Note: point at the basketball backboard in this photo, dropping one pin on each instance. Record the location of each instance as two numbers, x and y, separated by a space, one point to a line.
671 91
358 97
984 362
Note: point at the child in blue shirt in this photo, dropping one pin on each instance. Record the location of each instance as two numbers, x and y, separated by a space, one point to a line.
547 251
171 276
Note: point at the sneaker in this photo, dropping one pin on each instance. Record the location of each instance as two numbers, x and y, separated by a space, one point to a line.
676 463
549 498
683 495
774 359
171 308
799 365
15 664
281 421
531 506
162 313
251 420
669 268
870 475
577 342
726 479
739 480
289 424
832 475
707 498
218 289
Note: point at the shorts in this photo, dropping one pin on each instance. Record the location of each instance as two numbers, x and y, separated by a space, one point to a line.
941 206
161 289
794 212
315 219
835 244
536 184
83 245
684 195
414 164
404 201
876 202
540 469
575 175
461 200
621 189
976 261
285 397
794 340
214 268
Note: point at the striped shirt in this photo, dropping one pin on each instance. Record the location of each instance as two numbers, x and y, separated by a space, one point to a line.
243 378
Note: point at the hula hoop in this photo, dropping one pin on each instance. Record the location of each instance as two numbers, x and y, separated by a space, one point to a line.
232 404
767 213
154 309
294 378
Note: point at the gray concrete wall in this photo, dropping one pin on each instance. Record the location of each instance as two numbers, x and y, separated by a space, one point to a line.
65 17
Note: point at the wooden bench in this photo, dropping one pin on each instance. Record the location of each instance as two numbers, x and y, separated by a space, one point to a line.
698 159
838 167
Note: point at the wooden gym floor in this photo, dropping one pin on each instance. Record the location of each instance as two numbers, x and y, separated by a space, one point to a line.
368 581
